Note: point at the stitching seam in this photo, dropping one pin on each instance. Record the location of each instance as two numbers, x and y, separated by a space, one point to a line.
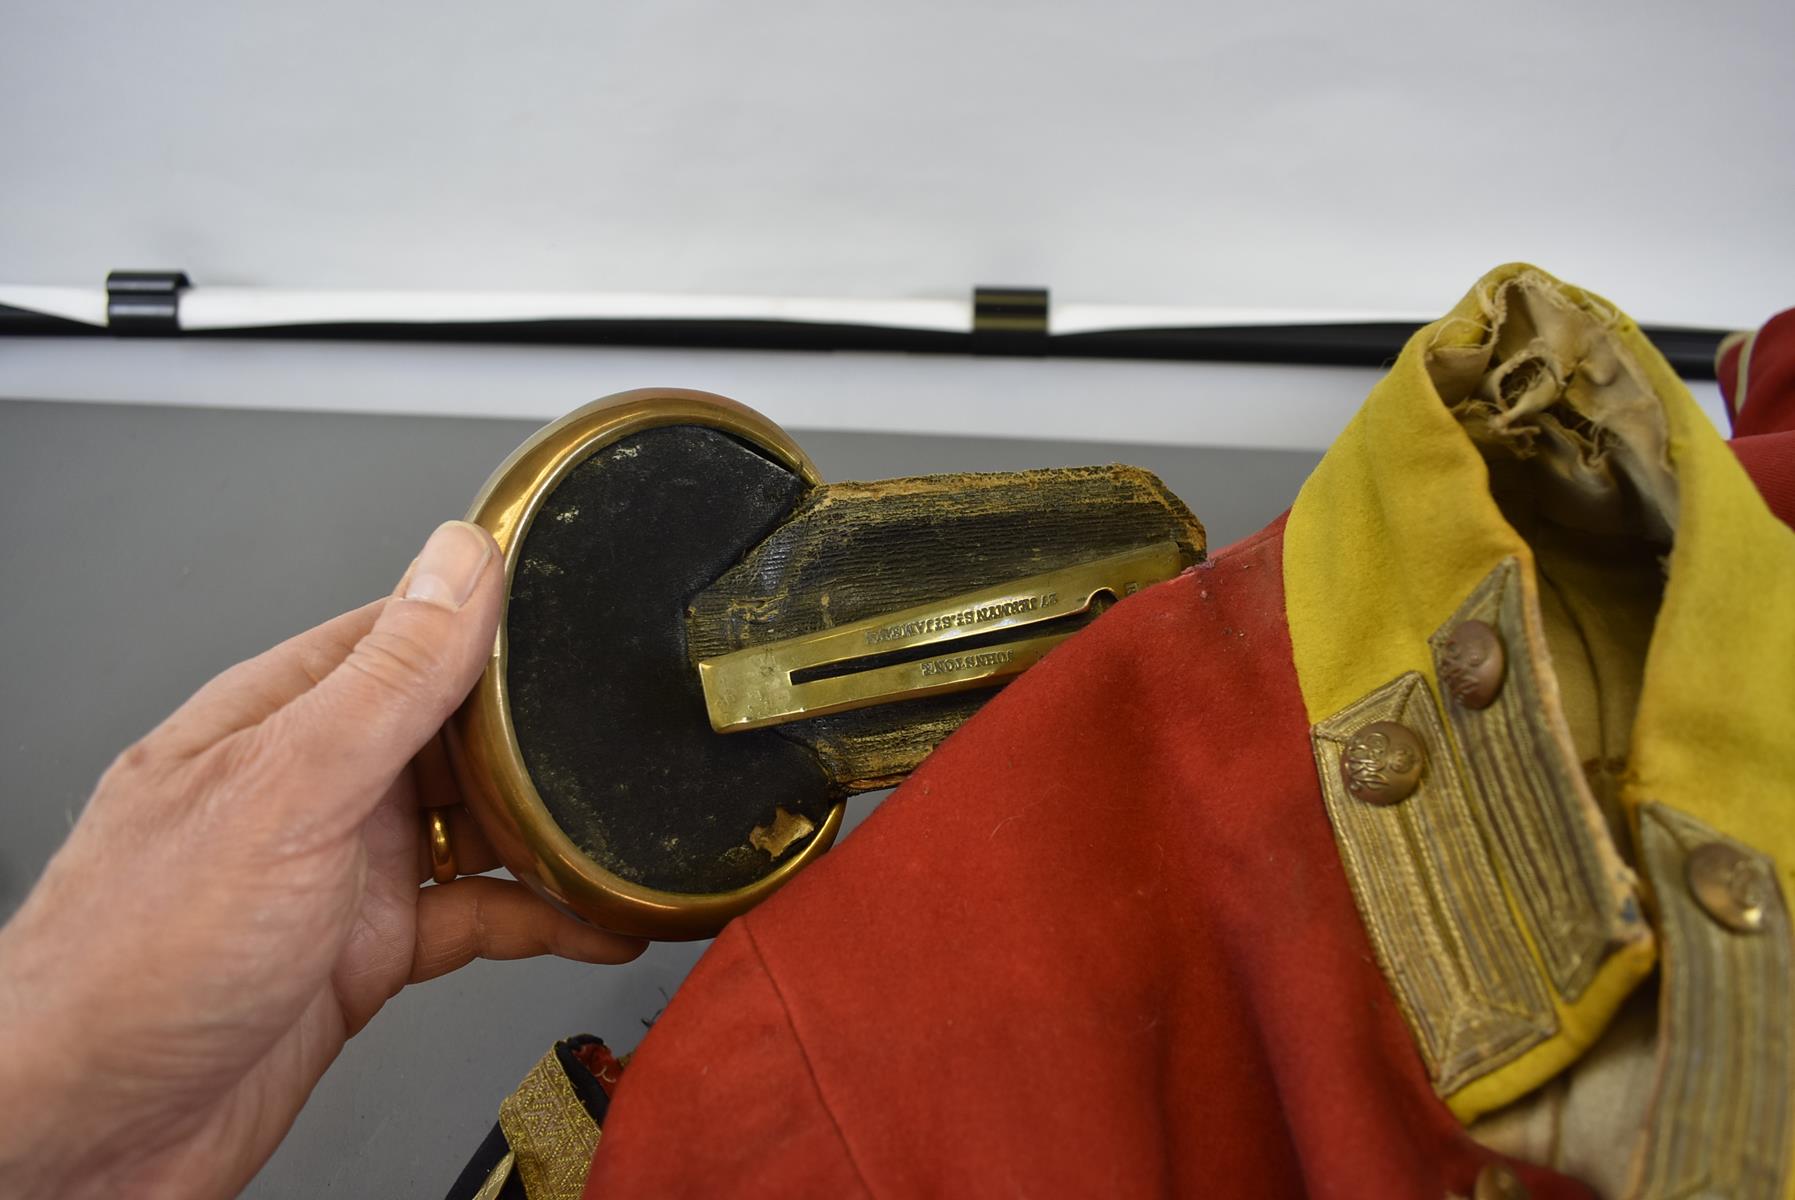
804 1057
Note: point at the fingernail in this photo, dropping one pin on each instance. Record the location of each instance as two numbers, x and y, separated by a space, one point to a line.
449 565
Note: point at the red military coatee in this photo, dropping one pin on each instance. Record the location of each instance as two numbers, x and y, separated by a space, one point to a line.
1444 820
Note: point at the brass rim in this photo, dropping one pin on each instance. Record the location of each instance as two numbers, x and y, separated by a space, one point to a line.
483 742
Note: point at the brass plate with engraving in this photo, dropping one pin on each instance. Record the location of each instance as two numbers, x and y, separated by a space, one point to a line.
661 541
768 684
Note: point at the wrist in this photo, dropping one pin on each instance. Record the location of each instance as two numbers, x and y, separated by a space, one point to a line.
47 1066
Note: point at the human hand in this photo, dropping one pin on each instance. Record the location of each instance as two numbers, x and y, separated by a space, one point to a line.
241 895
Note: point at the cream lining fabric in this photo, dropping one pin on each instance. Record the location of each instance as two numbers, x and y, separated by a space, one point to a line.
1552 387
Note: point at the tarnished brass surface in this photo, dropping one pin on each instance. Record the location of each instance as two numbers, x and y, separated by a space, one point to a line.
483 742
1472 664
854 551
1498 1182
1382 763
760 686
1732 886
845 555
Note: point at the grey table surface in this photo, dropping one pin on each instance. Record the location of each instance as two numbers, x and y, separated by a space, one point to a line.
144 549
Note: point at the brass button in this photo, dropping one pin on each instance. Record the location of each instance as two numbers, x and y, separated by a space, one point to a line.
1732 887
1382 763
1497 1182
1473 664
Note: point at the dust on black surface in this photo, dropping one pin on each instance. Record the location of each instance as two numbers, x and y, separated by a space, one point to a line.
608 711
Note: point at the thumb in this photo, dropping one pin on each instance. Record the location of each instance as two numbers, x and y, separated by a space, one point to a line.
351 735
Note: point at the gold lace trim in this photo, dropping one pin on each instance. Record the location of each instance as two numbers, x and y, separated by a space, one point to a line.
1547 833
1443 933
550 1132
1721 1108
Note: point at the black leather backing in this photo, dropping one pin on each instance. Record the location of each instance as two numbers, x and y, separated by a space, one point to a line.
608 710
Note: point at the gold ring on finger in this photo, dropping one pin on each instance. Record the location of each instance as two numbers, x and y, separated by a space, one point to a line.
442 855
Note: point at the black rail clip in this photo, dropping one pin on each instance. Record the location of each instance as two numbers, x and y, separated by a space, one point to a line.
140 303
1009 320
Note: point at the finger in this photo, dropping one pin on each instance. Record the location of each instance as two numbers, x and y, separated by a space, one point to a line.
496 918
342 743
472 853
248 693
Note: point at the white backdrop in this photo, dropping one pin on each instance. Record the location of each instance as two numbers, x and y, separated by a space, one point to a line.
1372 156
1290 153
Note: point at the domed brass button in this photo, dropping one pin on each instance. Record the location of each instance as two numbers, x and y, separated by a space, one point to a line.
1473 663
1732 887
1382 763
1497 1182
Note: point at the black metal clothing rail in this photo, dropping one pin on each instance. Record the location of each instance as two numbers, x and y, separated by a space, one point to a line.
1006 321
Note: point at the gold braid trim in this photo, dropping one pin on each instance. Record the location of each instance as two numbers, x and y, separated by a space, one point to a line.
1443 933
1721 1109
1545 832
551 1134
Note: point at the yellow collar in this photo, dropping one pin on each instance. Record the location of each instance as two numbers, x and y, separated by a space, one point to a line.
1398 526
